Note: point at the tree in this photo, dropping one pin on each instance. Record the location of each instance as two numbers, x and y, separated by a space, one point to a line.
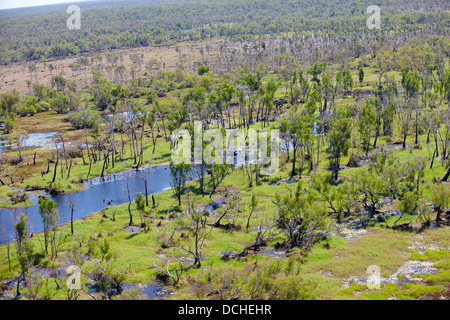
106 277
336 197
19 141
9 123
24 248
404 111
415 171
60 103
366 123
226 93
140 206
252 205
303 218
101 90
366 188
295 127
344 79
144 175
316 69
179 174
194 221
217 173
202 70
339 136
361 75
378 111
127 191
73 204
252 83
411 82
49 216
440 196
230 211
408 204
59 82
151 121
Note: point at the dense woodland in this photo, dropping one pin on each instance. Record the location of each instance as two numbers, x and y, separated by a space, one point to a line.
364 118
45 36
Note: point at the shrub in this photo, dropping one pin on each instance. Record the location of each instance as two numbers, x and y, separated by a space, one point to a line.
84 118
202 70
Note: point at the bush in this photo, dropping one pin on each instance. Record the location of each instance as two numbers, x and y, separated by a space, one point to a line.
24 111
273 280
202 70
84 118
42 106
74 153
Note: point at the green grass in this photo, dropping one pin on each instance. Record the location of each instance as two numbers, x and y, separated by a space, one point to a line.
403 292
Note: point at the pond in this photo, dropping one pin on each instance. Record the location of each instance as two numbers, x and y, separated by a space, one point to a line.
43 140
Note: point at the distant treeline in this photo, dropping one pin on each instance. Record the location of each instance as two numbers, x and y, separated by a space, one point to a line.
105 27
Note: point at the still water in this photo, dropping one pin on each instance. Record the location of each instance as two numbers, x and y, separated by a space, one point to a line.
96 197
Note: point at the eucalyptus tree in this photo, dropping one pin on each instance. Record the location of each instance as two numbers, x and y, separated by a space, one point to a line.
151 119
179 173
252 206
367 121
140 202
24 248
404 112
304 220
329 91
73 205
218 173
50 219
135 116
337 197
361 75
226 93
59 82
316 69
434 123
344 79
440 196
142 114
290 128
411 82
366 188
444 135
294 87
100 90
339 140
126 188
268 99
252 83
194 221
161 113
